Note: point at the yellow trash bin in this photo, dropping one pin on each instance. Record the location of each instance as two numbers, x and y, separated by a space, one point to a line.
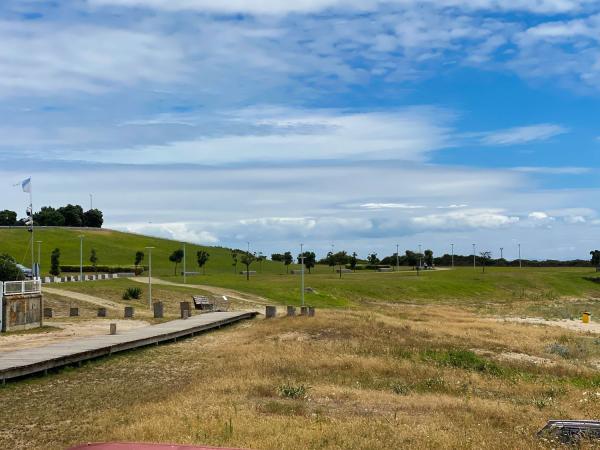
586 317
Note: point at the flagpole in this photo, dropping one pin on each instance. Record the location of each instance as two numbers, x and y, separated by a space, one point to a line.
33 268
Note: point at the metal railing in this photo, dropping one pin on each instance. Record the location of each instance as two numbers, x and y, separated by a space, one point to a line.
20 287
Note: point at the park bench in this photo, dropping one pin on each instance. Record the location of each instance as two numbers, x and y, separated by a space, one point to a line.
385 269
202 303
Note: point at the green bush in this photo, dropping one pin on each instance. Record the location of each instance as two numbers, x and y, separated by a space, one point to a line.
132 293
103 269
295 392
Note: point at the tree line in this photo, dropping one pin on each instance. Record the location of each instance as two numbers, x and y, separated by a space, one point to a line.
65 216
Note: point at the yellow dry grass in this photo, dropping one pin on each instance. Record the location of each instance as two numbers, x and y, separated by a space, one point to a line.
375 378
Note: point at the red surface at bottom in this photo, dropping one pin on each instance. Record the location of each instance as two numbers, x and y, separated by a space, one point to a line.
138 446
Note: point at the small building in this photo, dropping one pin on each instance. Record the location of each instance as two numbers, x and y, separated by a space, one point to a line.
21 305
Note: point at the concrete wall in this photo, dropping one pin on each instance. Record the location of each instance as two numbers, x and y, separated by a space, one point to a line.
21 312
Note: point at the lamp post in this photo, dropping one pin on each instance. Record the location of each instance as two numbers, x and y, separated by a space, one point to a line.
452 255
302 272
420 258
39 263
501 252
474 258
520 262
81 236
149 276
397 257
184 269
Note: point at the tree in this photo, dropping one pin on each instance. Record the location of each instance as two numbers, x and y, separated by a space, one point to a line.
94 259
287 260
8 269
429 258
139 257
260 260
411 258
310 260
93 218
8 218
331 261
73 215
341 259
55 262
373 259
234 257
353 261
49 217
247 259
485 258
176 258
202 258
595 258
278 257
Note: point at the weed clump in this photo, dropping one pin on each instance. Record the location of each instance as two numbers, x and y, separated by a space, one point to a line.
132 293
293 392
462 359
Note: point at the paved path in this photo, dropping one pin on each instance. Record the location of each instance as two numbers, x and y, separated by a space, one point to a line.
35 360
243 297
83 297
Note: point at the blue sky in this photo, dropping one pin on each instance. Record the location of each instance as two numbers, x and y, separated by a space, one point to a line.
360 123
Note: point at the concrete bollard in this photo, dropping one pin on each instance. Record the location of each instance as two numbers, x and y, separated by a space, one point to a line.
101 312
158 310
311 311
291 311
113 328
47 313
129 312
304 310
185 306
185 314
73 312
270 312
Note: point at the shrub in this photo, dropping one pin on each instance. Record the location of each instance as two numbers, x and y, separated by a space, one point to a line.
400 388
132 293
559 349
462 359
295 392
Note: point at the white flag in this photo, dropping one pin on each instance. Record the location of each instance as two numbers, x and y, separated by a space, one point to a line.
26 185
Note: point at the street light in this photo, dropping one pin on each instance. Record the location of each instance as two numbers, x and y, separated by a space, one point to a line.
474 258
397 257
501 252
184 269
420 257
302 272
39 264
452 255
150 276
520 262
81 236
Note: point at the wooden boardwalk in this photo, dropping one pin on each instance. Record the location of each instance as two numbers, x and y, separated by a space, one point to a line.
39 360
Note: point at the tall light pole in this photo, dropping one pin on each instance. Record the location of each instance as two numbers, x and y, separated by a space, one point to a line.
420 258
184 269
520 262
474 258
91 201
452 255
398 257
332 247
149 276
501 252
39 263
302 272
81 236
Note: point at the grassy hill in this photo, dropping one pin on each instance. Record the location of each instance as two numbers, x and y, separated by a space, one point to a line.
113 248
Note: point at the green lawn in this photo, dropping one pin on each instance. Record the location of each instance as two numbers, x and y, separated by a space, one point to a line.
113 248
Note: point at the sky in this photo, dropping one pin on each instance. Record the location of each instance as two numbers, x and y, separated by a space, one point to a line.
362 124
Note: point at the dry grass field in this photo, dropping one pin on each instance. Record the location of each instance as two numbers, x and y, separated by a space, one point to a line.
379 376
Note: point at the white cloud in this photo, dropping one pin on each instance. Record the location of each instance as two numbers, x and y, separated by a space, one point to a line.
390 206
523 135
476 218
553 170
538 215
45 58
184 232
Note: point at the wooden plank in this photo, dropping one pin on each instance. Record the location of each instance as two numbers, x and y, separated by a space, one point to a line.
24 362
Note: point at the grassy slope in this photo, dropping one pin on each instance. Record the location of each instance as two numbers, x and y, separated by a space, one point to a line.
113 248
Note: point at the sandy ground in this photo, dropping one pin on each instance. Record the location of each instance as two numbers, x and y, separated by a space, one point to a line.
83 297
243 297
574 325
68 330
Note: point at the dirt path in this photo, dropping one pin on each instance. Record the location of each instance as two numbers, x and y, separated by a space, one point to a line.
574 325
241 296
68 330
83 297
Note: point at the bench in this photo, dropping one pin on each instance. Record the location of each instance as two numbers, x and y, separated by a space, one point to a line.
202 303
